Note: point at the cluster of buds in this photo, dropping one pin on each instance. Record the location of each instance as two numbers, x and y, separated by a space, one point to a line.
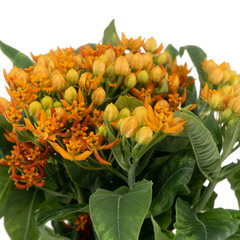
64 98
222 91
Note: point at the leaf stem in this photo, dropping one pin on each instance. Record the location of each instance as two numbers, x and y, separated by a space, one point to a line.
205 196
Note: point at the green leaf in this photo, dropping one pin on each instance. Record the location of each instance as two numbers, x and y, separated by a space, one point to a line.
163 88
172 51
229 170
5 146
175 174
211 124
18 59
110 35
19 216
204 147
236 215
234 180
120 214
215 224
158 235
127 102
230 137
59 213
197 56
5 182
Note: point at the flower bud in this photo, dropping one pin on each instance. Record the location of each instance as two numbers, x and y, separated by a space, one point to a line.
215 100
110 54
177 121
40 69
46 102
235 105
226 89
130 81
58 80
226 114
4 103
59 112
234 79
121 66
98 66
140 113
151 45
175 82
236 90
72 77
109 71
70 94
22 76
143 77
216 76
129 126
57 104
144 135
162 104
98 96
208 66
102 130
125 112
156 74
48 112
147 60
111 112
164 58
137 61
226 75
129 57
35 108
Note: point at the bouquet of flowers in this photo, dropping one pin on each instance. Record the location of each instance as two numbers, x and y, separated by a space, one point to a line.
114 141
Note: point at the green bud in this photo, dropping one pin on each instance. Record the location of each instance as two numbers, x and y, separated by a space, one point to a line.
125 112
46 102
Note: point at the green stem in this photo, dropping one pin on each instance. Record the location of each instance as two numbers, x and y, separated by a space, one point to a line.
118 84
117 173
131 173
205 196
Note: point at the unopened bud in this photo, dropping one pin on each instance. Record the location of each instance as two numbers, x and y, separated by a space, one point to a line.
83 78
164 58
59 112
121 66
144 135
129 126
48 112
130 81
72 77
235 105
148 60
143 77
177 122
216 76
156 74
129 57
111 112
98 96
57 104
215 100
151 45
70 94
40 69
58 80
102 130
4 103
227 113
208 66
98 66
46 102
35 108
140 113
137 61
110 54
162 104
125 112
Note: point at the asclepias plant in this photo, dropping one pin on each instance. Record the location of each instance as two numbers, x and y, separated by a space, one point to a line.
114 141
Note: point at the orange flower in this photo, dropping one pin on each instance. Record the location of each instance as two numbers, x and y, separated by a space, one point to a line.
47 128
131 44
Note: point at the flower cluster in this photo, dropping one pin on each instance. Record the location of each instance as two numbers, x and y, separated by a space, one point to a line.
63 101
222 90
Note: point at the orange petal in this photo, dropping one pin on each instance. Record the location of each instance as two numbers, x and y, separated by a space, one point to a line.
80 96
31 127
82 156
60 150
110 145
97 81
43 116
99 158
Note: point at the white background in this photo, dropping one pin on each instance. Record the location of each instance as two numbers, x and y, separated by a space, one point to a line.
38 26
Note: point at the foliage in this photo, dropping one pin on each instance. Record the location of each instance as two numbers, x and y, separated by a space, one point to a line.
112 141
